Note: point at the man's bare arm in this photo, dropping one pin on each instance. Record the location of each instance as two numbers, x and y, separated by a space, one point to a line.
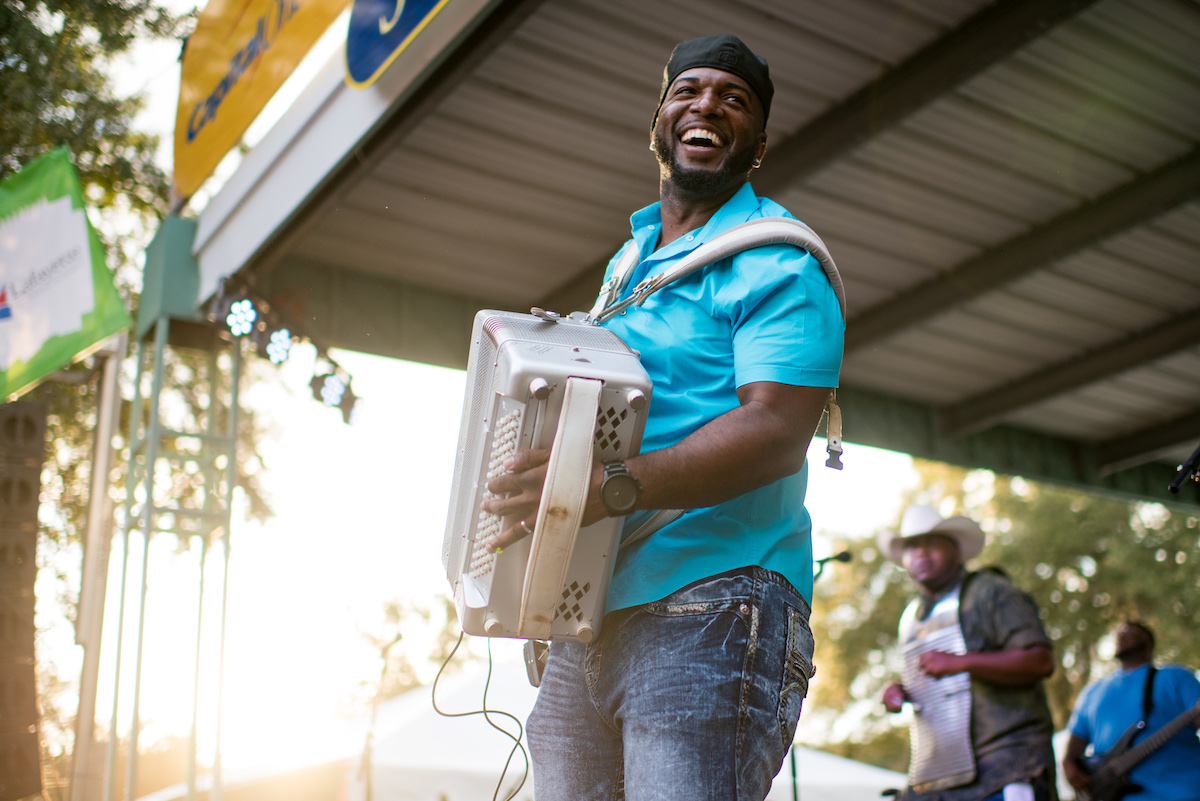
761 441
1015 667
1076 775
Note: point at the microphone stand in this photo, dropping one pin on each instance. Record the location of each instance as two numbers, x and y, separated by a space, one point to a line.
842 556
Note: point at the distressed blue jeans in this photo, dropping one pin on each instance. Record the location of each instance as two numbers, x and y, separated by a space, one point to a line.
689 698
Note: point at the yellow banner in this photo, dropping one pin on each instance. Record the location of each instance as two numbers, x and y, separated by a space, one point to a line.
239 55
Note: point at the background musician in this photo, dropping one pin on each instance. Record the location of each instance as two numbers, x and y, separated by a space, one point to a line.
693 687
1107 708
1003 655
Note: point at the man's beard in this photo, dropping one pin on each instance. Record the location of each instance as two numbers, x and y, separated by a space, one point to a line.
700 182
1130 650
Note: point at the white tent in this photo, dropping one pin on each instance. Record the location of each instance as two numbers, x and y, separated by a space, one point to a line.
419 755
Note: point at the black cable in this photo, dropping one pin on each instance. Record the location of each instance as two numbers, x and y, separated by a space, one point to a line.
486 716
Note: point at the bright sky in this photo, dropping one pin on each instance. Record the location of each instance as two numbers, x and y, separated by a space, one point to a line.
360 513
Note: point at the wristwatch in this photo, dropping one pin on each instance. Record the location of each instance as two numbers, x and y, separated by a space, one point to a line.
619 490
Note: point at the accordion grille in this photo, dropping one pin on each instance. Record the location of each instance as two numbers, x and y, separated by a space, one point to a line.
571 608
608 432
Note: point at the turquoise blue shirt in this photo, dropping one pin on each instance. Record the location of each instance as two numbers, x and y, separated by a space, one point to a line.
1107 708
767 314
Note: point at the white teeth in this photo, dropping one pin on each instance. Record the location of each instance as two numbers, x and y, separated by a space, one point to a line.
700 133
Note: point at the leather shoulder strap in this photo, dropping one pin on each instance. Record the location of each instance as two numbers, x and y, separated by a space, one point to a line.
752 234
1148 693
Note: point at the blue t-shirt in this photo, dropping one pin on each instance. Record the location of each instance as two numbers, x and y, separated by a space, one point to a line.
766 314
1107 708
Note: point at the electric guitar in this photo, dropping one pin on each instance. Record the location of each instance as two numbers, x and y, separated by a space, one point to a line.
1109 772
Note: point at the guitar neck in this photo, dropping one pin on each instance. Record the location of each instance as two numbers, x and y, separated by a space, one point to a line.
1126 761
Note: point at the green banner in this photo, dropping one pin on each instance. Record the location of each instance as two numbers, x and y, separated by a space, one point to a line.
57 298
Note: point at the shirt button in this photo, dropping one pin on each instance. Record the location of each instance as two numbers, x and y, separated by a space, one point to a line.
690 237
649 227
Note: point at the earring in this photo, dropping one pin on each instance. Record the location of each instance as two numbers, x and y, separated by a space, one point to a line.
756 164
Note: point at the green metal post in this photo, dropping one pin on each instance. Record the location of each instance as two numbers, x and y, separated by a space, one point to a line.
230 484
161 333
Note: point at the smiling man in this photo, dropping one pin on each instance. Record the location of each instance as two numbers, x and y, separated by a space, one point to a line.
693 687
974 655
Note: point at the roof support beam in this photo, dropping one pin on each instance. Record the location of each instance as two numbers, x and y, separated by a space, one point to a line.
1142 446
982 411
907 427
1140 200
341 308
981 41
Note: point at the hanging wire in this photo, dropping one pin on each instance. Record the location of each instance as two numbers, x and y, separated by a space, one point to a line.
483 710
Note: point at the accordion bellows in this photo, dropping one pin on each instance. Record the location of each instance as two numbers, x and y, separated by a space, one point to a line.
539 381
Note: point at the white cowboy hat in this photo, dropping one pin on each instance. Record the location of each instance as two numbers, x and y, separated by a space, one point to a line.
920 519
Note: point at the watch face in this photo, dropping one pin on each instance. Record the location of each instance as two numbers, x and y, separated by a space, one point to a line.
620 493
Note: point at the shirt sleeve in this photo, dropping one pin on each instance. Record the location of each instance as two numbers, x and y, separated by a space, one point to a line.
1008 616
1183 689
786 319
1018 623
1080 723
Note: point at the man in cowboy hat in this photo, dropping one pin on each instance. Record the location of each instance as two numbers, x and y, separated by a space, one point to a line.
974 657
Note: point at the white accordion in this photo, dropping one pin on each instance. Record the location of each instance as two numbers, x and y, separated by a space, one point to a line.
540 381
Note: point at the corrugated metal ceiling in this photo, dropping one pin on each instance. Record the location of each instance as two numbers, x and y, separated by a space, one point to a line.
1020 238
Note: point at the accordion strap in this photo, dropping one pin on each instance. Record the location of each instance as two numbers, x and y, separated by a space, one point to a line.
564 495
752 234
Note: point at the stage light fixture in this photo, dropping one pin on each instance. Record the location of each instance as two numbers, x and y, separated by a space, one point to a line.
333 389
241 317
329 389
279 345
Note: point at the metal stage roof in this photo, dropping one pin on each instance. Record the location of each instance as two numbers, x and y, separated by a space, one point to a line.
1010 190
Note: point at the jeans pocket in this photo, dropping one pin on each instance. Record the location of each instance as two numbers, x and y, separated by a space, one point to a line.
798 669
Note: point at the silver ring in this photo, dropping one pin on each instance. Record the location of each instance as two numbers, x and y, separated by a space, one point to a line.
525 527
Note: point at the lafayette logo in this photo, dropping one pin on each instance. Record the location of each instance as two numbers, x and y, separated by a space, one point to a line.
46 276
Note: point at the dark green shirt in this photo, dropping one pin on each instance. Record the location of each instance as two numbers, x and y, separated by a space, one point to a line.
1010 726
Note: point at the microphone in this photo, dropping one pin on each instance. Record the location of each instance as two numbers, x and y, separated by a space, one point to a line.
844 556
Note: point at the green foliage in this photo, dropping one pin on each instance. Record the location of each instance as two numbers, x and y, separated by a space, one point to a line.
55 56
54 91
1089 561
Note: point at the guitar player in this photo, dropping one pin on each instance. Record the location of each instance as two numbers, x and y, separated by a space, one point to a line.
1106 709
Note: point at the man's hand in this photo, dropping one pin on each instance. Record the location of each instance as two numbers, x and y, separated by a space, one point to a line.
939 664
894 698
518 491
